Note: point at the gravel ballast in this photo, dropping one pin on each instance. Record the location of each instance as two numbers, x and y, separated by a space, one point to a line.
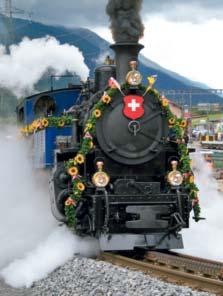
87 277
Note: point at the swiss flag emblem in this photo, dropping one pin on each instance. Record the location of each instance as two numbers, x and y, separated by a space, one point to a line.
133 108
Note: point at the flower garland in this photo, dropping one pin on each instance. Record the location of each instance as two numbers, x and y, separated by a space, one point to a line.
42 123
177 126
73 165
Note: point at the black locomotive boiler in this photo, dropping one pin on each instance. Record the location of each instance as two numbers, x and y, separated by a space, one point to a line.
131 193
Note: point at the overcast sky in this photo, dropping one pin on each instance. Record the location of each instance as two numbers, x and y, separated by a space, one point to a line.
182 35
91 13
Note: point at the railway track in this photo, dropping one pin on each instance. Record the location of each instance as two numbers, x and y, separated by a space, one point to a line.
197 273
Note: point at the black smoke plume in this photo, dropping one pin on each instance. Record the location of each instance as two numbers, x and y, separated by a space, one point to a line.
126 24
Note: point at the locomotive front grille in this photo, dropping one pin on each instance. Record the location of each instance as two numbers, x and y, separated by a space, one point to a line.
147 199
137 213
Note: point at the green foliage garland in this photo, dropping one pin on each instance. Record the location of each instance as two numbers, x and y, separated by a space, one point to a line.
73 165
177 126
42 123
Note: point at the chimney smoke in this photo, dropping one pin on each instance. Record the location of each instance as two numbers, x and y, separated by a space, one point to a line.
126 24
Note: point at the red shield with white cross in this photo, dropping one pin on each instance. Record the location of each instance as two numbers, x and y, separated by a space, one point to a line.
133 108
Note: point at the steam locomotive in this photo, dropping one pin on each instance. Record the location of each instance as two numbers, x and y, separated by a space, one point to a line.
115 163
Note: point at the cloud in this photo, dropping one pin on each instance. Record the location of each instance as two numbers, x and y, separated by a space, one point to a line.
89 13
192 11
193 50
68 12
30 59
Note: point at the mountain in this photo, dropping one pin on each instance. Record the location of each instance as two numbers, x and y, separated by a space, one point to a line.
92 46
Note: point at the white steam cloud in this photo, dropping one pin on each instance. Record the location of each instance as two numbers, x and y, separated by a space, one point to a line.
51 253
24 212
30 59
204 239
32 242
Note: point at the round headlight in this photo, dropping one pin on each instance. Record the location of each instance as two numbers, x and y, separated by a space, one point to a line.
100 179
134 78
175 178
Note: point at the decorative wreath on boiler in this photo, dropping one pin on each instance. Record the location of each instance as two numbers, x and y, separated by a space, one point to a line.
177 126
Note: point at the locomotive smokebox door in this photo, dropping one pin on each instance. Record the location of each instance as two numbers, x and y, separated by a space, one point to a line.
128 141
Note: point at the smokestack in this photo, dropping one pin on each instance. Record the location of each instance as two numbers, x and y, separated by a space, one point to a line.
127 29
124 54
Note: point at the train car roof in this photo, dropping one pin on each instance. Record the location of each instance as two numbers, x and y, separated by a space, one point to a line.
77 87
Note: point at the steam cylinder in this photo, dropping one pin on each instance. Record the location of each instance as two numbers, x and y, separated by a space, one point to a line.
125 53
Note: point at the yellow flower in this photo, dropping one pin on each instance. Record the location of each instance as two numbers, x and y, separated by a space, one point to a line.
31 128
39 123
79 158
73 171
80 186
91 144
106 99
34 125
152 79
70 202
45 122
61 123
97 113
25 130
165 102
171 120
183 123
191 179
88 127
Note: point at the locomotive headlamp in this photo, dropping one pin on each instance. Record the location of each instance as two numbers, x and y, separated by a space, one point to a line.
175 177
100 179
133 77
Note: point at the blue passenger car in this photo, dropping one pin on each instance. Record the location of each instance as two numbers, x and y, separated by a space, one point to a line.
45 105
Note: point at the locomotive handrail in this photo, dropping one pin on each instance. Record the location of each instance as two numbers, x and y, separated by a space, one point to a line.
151 116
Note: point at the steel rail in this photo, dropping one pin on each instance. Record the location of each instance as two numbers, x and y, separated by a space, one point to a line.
167 272
200 266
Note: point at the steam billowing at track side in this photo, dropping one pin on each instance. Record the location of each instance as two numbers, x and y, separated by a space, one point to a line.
126 23
204 239
32 242
31 59
25 217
